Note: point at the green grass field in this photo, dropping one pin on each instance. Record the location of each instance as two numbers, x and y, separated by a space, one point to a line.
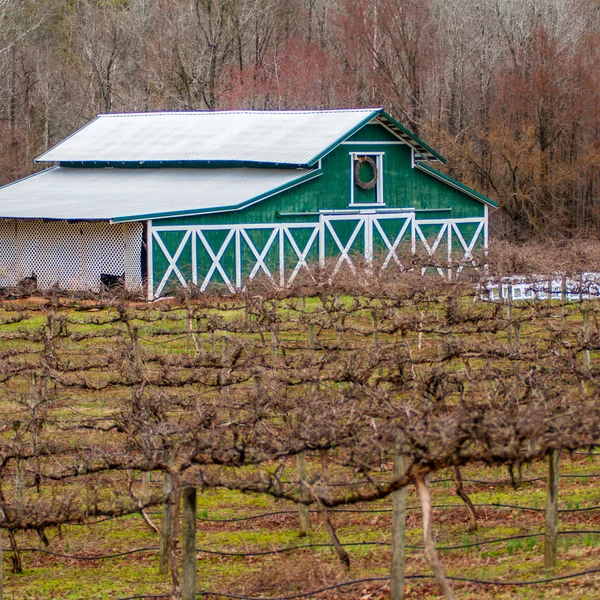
46 576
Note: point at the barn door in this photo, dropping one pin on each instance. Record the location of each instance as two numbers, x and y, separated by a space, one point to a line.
343 239
383 237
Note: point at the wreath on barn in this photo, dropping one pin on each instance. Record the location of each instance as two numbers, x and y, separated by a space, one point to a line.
365 185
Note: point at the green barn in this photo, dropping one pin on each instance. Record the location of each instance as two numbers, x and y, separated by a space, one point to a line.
168 199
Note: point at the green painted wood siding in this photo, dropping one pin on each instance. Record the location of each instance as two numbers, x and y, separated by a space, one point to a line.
404 187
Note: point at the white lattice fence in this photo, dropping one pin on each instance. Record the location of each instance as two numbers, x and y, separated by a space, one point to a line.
72 255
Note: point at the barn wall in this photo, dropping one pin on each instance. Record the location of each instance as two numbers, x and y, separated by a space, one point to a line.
227 247
72 255
403 187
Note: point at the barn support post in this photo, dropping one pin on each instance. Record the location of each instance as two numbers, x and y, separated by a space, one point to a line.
398 531
551 533
150 261
189 554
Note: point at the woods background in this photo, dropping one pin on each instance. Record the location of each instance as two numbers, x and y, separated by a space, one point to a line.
506 89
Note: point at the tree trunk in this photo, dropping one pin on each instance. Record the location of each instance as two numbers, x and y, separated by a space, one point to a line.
16 555
460 492
432 557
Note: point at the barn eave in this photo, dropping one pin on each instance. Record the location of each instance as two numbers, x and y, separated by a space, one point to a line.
221 209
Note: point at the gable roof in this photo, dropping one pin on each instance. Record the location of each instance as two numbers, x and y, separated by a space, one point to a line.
298 138
133 194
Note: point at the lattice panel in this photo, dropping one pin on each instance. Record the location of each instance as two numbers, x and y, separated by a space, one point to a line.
72 255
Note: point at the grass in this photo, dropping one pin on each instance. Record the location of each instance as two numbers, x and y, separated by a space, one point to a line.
47 577
50 577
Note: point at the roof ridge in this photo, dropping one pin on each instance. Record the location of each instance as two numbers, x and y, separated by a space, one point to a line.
240 112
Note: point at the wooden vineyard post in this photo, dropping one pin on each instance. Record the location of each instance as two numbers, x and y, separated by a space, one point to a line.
311 335
167 523
398 532
509 318
303 521
517 332
1 569
586 332
551 533
514 327
145 483
376 339
188 546
274 348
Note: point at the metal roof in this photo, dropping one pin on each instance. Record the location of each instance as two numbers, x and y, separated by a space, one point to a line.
275 137
129 194
286 138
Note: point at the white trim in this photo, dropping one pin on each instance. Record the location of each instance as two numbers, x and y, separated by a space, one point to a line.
486 216
369 240
387 143
281 258
322 240
377 121
449 256
431 249
370 219
238 259
228 227
216 260
392 247
172 268
444 221
468 248
378 187
194 260
344 249
355 211
150 262
260 256
300 254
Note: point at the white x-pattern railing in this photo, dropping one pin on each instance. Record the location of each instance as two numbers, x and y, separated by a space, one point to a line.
322 234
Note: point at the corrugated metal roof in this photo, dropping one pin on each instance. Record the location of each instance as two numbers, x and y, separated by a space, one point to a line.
126 194
279 137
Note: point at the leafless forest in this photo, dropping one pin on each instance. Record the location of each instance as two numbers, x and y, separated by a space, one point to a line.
506 89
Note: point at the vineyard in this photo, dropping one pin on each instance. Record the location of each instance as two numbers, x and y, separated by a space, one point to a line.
326 439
